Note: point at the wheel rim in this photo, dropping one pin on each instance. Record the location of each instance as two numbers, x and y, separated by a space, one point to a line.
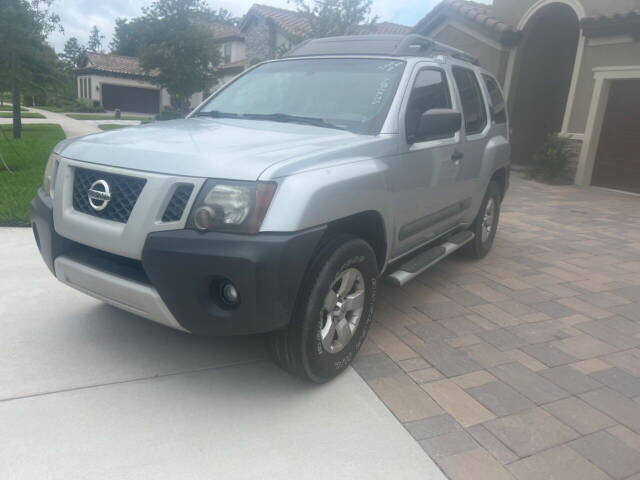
488 220
342 310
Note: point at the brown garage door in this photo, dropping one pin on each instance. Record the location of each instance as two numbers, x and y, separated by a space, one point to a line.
130 99
618 160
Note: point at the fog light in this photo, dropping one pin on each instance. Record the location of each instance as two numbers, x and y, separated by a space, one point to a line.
203 218
230 294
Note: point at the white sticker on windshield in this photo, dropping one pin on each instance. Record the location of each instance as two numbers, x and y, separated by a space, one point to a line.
380 92
390 67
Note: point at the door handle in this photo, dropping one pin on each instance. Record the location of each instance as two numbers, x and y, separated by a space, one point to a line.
457 156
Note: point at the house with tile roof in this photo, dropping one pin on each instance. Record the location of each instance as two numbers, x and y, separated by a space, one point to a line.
118 82
270 31
567 66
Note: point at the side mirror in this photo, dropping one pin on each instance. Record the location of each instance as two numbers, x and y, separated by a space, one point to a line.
438 123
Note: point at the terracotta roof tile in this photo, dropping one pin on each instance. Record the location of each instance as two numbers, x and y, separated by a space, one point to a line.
288 20
232 65
612 24
294 23
225 30
475 12
119 64
389 28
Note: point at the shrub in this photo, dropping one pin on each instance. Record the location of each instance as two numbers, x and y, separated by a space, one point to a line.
170 114
79 106
75 105
550 163
118 113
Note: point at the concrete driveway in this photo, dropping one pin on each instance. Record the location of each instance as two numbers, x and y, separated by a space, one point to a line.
88 391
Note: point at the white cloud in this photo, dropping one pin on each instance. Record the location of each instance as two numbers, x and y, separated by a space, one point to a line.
79 16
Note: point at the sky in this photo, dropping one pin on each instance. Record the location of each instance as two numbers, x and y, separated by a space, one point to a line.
78 16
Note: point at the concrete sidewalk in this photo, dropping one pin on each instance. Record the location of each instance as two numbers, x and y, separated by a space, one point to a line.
88 391
71 127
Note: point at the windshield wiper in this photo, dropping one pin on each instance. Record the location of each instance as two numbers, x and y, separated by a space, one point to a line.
217 114
286 118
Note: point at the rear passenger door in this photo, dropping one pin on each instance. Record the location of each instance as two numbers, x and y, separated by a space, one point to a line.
476 135
423 179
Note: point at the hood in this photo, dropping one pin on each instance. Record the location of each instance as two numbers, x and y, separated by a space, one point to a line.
205 147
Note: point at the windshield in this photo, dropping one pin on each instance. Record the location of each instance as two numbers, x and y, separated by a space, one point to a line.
350 94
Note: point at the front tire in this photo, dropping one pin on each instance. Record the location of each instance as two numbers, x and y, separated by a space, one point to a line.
333 311
485 226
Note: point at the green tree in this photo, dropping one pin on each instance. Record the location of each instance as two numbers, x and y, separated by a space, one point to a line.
51 79
330 18
95 40
25 58
72 52
129 34
128 37
179 46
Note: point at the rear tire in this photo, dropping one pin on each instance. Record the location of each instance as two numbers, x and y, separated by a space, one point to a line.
485 226
333 311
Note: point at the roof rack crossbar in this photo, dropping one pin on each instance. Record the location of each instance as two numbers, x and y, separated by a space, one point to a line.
411 45
418 45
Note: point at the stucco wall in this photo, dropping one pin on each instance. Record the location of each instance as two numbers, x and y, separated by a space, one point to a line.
613 55
512 11
490 57
237 50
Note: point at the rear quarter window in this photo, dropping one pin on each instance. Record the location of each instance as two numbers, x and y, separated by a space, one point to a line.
498 107
473 107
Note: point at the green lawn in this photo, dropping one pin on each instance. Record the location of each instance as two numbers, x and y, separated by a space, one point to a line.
5 108
112 126
54 109
24 115
97 116
18 188
115 126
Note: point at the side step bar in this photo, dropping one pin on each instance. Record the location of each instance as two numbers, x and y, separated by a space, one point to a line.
418 264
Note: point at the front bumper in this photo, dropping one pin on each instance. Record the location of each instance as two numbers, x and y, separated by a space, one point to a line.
177 282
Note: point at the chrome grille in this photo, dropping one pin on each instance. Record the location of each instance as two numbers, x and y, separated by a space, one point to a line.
124 194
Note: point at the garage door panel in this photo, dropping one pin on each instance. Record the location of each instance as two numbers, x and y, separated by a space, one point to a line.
130 99
618 159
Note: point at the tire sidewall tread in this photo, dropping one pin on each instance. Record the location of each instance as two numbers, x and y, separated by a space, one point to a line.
296 347
476 248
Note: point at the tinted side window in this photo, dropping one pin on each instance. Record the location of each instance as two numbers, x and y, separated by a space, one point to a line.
473 108
430 90
498 107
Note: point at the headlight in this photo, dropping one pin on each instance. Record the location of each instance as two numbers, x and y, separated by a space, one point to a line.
231 206
50 174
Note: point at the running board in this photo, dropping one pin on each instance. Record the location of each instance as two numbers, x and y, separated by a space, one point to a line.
418 264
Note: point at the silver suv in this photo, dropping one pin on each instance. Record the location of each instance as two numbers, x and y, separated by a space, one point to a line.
280 202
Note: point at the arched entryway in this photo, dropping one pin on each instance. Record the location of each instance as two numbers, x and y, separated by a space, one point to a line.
542 77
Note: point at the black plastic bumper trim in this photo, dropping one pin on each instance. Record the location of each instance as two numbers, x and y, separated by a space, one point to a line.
188 268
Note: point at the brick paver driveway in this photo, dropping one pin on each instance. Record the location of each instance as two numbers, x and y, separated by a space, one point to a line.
526 364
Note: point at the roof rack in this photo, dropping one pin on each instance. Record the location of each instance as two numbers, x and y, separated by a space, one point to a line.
388 45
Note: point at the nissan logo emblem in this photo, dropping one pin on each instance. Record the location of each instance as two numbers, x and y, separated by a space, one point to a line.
99 195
